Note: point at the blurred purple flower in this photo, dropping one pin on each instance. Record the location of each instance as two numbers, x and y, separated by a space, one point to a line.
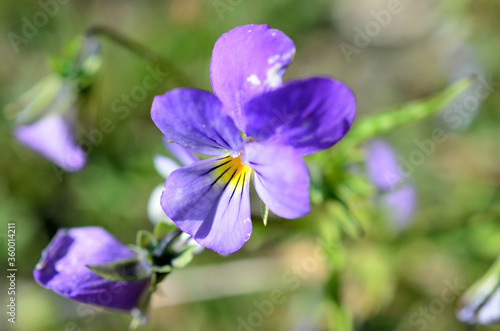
46 114
209 199
397 195
46 122
53 137
63 270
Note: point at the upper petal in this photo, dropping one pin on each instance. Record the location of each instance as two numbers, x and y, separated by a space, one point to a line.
62 268
310 114
246 61
53 137
281 178
194 119
210 201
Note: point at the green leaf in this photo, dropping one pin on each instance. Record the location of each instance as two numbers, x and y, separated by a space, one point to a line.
123 270
345 219
264 212
145 239
389 119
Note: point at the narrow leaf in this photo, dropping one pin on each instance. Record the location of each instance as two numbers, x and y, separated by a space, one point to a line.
389 119
123 270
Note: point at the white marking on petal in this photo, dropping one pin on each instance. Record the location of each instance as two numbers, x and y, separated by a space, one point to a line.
273 78
273 59
289 55
273 34
253 80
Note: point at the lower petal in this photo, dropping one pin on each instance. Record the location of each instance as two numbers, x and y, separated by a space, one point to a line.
281 178
210 201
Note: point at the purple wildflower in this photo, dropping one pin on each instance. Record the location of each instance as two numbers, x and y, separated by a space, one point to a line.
397 194
63 270
209 199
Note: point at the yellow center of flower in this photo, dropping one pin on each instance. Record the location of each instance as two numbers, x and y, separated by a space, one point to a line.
232 170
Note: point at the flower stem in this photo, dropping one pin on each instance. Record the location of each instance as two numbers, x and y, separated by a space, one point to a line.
177 75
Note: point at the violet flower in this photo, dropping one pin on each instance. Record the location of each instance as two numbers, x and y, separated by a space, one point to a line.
209 199
63 270
397 195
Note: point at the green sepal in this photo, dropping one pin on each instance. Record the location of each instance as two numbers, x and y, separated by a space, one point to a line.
264 210
145 239
124 270
184 258
162 229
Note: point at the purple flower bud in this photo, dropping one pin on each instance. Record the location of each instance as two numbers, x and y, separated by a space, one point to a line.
63 270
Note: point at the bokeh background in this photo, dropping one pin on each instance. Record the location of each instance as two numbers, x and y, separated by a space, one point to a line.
389 279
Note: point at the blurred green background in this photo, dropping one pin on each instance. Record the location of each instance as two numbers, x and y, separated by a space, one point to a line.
388 279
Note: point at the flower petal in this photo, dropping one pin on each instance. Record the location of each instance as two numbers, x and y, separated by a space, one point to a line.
310 115
52 136
281 178
62 268
382 164
399 205
194 119
397 196
210 200
246 61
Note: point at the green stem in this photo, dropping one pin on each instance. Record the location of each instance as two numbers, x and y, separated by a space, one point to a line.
178 76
